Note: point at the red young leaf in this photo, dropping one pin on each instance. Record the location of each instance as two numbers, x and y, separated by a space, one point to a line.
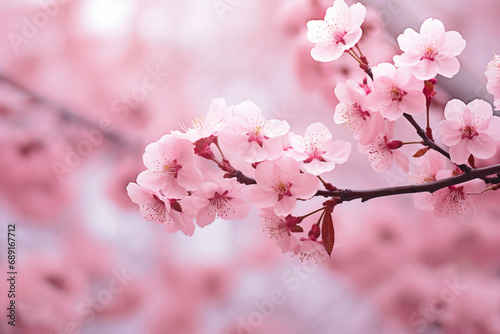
421 152
296 228
471 161
328 232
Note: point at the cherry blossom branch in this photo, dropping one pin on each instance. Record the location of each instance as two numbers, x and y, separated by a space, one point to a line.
429 143
425 139
345 195
65 113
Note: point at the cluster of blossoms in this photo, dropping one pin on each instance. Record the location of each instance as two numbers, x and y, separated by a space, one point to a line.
282 167
390 92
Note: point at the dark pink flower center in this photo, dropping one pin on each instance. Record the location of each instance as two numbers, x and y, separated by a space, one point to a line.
469 131
156 210
314 152
220 201
357 111
171 168
457 193
338 36
397 94
256 136
283 189
430 53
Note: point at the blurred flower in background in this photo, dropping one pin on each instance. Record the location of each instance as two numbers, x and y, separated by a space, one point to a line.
85 85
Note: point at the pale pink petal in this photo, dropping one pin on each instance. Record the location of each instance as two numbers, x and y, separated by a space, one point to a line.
401 160
318 129
481 110
317 31
206 215
185 224
316 167
352 37
432 28
413 103
424 201
448 66
276 128
285 206
425 70
474 186
338 151
408 40
137 194
189 177
494 128
459 153
264 175
170 227
305 186
339 11
358 13
262 198
482 147
454 110
326 51
454 44
407 60
238 210
272 150
450 132
289 169
447 205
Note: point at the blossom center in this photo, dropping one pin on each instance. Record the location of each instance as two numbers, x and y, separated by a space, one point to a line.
220 201
314 152
197 124
171 168
469 131
256 136
283 189
360 112
397 94
157 210
338 36
456 193
430 53
278 231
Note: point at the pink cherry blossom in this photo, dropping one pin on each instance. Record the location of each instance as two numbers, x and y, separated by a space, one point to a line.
492 74
280 230
158 209
396 91
353 112
280 183
311 250
382 151
209 125
338 32
427 166
251 136
469 129
431 52
223 200
317 151
171 167
425 170
453 200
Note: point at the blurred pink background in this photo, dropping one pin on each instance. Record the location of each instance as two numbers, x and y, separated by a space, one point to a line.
85 85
